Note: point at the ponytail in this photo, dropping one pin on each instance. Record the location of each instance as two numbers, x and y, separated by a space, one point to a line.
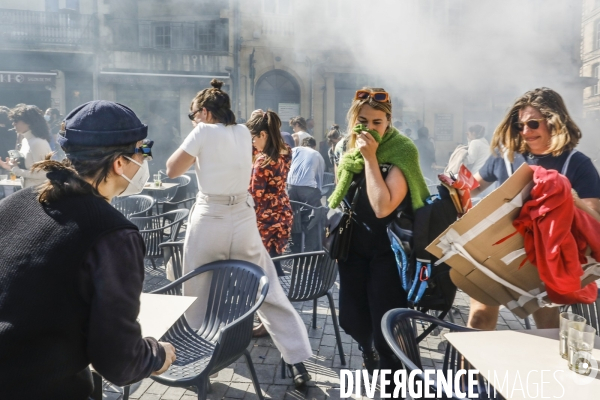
268 122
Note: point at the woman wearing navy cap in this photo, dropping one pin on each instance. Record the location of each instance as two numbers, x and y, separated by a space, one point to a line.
222 224
70 289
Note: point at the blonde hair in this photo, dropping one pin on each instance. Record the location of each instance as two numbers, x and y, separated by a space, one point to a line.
565 134
352 116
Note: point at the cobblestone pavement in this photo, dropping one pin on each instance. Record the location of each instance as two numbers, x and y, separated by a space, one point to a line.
324 366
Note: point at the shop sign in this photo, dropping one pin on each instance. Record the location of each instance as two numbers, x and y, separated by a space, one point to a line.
444 127
27 78
287 111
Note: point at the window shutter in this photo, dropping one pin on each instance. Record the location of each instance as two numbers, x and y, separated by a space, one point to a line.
145 34
176 35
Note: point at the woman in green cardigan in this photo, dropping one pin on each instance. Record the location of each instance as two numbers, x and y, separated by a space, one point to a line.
384 165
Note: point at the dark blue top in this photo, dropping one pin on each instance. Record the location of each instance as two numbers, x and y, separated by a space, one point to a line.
581 172
288 139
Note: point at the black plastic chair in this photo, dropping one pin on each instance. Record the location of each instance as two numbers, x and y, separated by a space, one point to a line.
591 312
311 276
173 195
173 253
328 185
399 330
175 205
237 290
159 229
138 205
317 218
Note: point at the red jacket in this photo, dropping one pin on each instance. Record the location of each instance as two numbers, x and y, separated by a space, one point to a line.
556 236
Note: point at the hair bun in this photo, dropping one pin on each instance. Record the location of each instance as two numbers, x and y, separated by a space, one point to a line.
336 127
217 84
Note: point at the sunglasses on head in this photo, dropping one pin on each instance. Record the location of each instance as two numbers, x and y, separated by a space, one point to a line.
382 97
531 124
145 149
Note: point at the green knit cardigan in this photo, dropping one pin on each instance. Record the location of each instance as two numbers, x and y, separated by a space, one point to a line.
394 148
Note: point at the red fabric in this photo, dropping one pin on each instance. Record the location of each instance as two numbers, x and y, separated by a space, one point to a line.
556 236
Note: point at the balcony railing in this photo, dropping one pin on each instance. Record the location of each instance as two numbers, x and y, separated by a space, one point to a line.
46 28
202 36
278 26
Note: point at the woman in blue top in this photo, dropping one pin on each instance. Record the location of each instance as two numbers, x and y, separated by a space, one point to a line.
537 130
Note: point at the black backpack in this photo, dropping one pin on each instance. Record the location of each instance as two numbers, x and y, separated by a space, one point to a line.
428 286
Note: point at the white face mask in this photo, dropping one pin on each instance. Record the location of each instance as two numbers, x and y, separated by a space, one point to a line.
137 183
47 118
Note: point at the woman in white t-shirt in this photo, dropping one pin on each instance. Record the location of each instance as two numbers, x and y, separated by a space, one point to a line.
222 224
29 121
479 149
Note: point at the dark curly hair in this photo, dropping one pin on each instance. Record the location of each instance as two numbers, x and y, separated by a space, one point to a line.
32 116
216 101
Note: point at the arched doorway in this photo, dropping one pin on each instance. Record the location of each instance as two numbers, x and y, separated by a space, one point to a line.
279 91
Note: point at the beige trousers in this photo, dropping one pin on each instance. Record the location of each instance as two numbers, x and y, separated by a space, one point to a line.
223 232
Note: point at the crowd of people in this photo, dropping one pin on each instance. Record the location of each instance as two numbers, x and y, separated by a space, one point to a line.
249 176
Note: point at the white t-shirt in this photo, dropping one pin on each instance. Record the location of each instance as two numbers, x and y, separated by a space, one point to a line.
478 153
34 149
223 157
301 136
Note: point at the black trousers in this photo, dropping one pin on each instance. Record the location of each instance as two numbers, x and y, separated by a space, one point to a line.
312 197
277 264
369 287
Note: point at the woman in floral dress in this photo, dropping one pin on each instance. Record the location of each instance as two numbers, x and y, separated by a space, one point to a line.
272 160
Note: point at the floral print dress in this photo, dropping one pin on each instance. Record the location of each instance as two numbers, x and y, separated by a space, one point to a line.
273 210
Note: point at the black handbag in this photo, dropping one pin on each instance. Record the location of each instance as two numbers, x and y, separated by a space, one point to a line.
338 230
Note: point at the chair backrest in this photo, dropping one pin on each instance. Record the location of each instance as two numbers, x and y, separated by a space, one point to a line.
399 330
181 192
591 312
311 276
166 194
298 208
173 254
160 228
134 206
328 178
236 288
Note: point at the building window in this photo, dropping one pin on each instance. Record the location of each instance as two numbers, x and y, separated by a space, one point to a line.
283 7
162 36
51 5
596 74
72 5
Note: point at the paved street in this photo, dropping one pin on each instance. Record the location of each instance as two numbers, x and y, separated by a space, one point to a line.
324 366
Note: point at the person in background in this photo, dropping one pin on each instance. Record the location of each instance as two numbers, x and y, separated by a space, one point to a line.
29 121
426 152
272 160
310 126
537 130
223 225
478 150
333 138
71 288
288 139
408 132
52 117
7 137
304 185
298 125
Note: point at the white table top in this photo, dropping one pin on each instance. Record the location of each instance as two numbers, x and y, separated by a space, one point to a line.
164 186
518 353
8 182
158 312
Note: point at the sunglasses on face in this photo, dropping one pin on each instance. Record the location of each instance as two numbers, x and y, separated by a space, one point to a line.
193 113
531 124
145 149
381 97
